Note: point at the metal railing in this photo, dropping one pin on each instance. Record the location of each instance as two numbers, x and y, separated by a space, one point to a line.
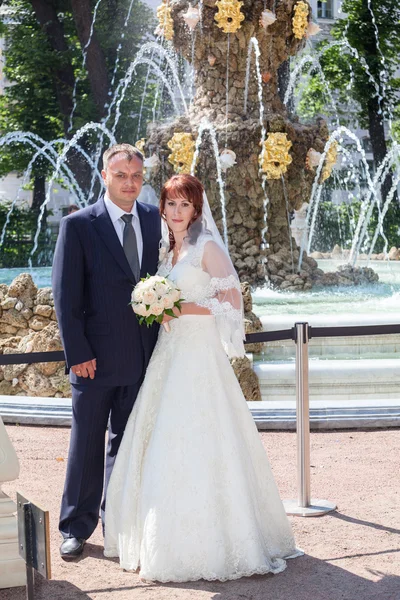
300 333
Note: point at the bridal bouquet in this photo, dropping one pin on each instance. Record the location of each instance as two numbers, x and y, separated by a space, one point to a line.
153 297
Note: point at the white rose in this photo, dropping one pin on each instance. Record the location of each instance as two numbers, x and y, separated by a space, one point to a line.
168 302
175 295
146 285
140 309
149 297
157 308
137 294
161 289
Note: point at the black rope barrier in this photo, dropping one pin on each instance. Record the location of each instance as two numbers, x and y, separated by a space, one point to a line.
353 330
251 338
269 336
31 357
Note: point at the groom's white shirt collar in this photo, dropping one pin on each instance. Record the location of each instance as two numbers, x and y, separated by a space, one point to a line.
116 212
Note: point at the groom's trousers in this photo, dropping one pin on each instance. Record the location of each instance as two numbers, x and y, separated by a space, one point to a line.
93 410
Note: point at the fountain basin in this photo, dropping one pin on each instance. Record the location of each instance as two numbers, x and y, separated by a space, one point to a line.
349 347
332 380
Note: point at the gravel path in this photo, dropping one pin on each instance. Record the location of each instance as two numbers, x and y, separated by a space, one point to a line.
352 554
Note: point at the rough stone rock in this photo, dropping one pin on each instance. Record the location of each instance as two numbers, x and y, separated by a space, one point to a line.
35 383
12 372
10 342
45 296
3 291
48 340
337 252
394 253
5 328
38 323
27 313
24 289
8 303
247 378
60 381
7 388
247 299
286 285
43 310
14 318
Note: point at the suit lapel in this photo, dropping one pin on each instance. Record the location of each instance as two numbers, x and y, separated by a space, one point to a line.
103 224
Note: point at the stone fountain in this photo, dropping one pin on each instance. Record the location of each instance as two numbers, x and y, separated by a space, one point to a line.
219 60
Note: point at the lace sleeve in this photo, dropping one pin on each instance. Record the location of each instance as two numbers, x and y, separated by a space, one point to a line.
223 298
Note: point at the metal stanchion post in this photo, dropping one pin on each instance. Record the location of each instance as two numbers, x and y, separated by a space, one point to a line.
304 506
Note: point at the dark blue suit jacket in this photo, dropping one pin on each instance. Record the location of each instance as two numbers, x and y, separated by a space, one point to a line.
92 286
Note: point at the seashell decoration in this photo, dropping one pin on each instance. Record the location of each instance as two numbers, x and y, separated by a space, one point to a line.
211 59
229 18
267 18
181 157
165 26
275 157
312 159
300 19
192 17
152 162
312 29
227 159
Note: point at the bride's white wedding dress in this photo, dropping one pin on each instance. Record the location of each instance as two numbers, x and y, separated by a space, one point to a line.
192 495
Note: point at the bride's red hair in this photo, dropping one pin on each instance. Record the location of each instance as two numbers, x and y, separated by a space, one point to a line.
190 188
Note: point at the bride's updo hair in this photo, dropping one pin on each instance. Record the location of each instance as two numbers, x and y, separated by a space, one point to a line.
190 188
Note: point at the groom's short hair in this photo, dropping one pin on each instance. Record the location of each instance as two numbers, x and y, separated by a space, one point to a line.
127 149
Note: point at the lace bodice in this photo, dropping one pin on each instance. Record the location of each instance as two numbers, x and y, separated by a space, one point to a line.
209 290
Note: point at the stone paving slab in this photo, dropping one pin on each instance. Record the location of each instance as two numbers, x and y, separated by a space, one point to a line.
352 554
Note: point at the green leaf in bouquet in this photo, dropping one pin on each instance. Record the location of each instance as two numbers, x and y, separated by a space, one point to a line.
170 313
150 320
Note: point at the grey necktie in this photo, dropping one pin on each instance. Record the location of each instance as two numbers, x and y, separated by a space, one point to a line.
130 246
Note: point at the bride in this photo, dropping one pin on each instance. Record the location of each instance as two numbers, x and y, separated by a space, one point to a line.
192 495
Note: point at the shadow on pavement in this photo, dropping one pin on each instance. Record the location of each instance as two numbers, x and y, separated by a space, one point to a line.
306 578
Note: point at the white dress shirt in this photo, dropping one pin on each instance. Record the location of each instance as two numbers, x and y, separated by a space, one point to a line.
116 213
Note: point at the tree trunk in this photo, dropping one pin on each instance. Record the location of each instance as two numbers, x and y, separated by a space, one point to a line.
95 60
378 142
64 78
39 196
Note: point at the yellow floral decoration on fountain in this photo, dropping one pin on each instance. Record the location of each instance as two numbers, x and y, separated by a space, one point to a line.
300 19
165 22
229 18
140 145
330 161
275 158
181 157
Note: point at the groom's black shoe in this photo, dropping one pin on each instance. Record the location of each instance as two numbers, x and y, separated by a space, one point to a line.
71 548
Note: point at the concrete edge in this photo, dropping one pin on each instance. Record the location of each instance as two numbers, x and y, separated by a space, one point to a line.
58 413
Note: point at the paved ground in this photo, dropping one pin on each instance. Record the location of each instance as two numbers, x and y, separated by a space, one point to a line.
352 554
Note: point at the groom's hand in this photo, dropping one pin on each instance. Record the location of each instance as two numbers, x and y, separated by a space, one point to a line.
86 369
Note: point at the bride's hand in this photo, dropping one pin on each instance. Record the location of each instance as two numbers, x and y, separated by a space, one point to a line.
167 318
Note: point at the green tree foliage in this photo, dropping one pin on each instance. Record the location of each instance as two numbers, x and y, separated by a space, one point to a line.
37 72
364 77
18 241
361 72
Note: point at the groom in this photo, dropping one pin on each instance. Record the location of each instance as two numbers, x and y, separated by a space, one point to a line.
102 251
